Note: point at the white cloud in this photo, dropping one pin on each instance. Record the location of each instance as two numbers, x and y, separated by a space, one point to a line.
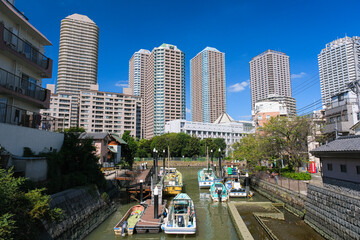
299 75
238 87
188 110
123 84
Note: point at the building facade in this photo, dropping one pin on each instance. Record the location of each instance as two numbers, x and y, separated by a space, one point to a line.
137 71
165 89
23 65
264 110
269 74
78 54
338 66
109 112
207 85
224 127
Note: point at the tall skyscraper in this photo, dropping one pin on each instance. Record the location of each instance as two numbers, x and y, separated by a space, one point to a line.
339 64
269 74
165 89
137 71
78 54
207 85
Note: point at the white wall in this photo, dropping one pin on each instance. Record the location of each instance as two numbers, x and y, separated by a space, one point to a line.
14 138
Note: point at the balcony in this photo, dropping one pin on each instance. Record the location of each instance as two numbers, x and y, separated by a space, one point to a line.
23 89
21 117
25 52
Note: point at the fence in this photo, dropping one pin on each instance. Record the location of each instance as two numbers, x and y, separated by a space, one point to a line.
176 159
291 184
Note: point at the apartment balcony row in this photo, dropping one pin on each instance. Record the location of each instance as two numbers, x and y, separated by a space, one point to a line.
23 51
24 118
23 89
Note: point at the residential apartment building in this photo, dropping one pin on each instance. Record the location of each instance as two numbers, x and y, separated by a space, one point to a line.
338 66
341 114
288 102
224 127
266 109
23 65
138 66
78 54
109 112
269 74
165 89
207 85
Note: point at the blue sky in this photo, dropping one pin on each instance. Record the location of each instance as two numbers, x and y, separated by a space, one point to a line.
241 29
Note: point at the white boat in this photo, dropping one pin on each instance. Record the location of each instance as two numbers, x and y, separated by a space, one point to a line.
181 216
218 192
235 190
206 177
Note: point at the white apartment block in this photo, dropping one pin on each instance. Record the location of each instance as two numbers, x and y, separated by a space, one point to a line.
137 71
269 74
264 110
165 89
224 127
339 64
109 112
207 85
78 54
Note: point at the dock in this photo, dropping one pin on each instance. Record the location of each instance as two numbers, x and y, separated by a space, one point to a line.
147 223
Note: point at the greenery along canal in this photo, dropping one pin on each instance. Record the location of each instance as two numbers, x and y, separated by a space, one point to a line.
213 219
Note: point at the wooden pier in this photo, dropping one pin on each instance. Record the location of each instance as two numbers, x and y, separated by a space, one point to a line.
147 223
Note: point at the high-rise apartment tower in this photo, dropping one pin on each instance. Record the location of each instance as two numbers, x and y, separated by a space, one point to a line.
269 74
78 54
339 64
165 89
207 85
137 71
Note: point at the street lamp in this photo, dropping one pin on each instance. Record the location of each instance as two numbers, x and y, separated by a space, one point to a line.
220 169
212 163
163 171
155 165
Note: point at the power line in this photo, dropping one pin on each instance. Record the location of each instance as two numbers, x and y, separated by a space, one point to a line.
317 102
302 90
305 82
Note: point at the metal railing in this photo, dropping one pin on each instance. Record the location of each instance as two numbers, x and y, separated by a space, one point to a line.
21 85
298 186
21 117
25 48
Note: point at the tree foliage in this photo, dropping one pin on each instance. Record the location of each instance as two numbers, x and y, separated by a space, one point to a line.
22 209
128 151
250 149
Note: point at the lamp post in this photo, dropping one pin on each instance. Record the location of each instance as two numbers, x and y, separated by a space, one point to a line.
163 171
220 169
212 155
155 165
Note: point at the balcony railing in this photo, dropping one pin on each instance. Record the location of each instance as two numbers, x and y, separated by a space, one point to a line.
22 85
21 117
26 49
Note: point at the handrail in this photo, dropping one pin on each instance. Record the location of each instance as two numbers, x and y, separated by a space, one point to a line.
21 117
25 48
24 86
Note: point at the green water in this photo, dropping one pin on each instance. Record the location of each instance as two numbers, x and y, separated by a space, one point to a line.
213 219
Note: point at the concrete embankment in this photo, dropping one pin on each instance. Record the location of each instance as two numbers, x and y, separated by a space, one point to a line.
240 226
293 201
84 210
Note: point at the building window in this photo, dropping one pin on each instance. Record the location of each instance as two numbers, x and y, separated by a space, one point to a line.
358 169
329 167
343 168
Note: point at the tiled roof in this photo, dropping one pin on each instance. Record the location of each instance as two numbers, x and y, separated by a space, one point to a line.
100 135
343 144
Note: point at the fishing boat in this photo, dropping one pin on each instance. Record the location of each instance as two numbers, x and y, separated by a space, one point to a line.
173 181
236 190
218 192
181 217
129 221
206 177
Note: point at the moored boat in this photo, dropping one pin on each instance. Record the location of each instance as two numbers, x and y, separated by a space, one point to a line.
128 222
218 192
206 177
173 181
236 190
181 216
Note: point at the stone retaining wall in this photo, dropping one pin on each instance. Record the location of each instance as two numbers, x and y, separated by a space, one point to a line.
84 211
293 201
334 214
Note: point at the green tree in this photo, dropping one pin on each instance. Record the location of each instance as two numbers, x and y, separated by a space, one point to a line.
21 209
144 149
207 143
128 152
249 148
74 165
219 143
192 148
288 136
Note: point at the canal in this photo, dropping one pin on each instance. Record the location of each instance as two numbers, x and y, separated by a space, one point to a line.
213 219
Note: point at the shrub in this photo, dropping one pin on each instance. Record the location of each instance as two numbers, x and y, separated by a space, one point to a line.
296 176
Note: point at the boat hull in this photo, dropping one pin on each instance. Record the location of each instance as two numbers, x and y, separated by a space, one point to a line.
205 184
216 199
172 230
118 229
173 190
237 194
